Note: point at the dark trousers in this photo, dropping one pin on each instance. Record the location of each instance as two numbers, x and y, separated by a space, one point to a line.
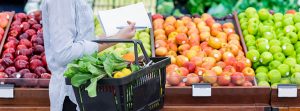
69 105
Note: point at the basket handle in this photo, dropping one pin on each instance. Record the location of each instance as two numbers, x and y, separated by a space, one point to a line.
135 42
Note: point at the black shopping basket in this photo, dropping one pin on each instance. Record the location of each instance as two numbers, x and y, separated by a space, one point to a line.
143 90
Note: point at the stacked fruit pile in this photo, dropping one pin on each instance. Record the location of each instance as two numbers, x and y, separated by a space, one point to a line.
126 50
4 19
273 45
23 52
201 50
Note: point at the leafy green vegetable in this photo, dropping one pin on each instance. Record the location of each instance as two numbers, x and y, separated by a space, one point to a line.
92 68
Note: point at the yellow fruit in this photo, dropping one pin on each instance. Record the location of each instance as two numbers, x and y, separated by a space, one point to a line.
126 71
118 74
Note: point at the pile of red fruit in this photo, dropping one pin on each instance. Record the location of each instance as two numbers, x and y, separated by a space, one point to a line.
4 19
23 52
201 50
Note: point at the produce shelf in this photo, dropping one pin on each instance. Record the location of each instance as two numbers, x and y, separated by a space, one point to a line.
216 108
27 99
284 102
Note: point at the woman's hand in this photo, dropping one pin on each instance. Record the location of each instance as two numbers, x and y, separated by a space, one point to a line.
127 32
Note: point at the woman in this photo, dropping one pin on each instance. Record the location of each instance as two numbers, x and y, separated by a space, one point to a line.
68 26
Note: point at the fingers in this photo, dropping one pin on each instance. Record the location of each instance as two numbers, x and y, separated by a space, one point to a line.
131 24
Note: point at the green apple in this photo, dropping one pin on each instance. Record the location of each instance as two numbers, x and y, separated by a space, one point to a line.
280 34
288 21
262 47
296 78
298 35
274 64
256 64
252 28
253 20
262 76
262 40
274 42
278 17
249 38
265 28
293 37
290 61
289 28
278 25
298 58
250 11
288 16
297 26
263 69
297 45
288 49
297 17
242 15
274 85
244 25
279 56
244 20
253 55
284 40
269 35
245 32
274 49
251 48
285 81
294 55
268 22
295 68
263 83
274 76
298 51
263 14
284 70
251 43
266 57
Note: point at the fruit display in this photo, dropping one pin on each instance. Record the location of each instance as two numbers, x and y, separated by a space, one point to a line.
97 66
273 43
4 21
201 50
23 50
126 50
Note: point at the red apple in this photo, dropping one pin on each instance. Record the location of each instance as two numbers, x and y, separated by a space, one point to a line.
229 69
238 78
171 68
249 73
224 79
210 76
174 79
197 60
192 79
190 66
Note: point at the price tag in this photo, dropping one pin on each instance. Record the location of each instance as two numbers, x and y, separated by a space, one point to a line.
201 90
7 91
287 90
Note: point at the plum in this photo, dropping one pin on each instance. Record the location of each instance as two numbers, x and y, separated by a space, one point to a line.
36 26
40 70
35 63
21 64
45 76
20 16
25 42
39 34
38 49
16 22
24 36
4 75
8 55
10 44
17 28
30 32
13 33
44 60
40 31
9 50
14 39
32 21
10 70
15 75
23 71
7 61
39 41
19 47
30 75
25 52
33 39
25 26
36 57
2 68
21 57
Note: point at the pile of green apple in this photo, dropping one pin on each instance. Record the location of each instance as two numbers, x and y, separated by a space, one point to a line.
125 48
273 43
